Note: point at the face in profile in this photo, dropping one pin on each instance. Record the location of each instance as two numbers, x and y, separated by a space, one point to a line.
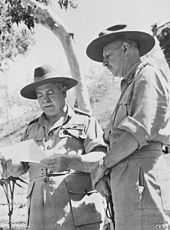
112 56
51 98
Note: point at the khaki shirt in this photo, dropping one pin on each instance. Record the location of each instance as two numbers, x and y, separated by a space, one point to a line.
143 109
140 178
78 133
60 201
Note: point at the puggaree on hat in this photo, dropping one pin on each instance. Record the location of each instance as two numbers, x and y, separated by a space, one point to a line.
43 75
145 41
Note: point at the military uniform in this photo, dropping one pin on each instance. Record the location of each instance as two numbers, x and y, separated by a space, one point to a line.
140 182
64 201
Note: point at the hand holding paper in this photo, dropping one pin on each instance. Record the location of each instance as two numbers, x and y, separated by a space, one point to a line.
57 162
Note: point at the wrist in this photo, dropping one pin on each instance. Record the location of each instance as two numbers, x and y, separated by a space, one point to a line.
104 166
102 163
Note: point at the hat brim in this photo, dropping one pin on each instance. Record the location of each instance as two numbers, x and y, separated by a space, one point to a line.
144 41
29 91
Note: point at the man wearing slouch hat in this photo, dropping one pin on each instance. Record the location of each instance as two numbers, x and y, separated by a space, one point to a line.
135 165
60 193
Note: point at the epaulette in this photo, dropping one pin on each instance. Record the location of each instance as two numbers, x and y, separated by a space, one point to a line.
79 111
33 121
142 66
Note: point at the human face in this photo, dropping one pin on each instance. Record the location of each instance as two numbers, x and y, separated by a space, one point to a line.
112 57
51 99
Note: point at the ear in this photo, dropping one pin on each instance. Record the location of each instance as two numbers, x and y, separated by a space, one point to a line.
125 47
64 93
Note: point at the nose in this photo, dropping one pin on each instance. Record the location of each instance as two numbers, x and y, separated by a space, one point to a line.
105 62
46 99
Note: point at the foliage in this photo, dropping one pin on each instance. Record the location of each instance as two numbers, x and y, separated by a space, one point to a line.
162 33
8 184
16 26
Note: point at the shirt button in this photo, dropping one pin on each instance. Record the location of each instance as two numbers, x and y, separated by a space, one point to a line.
42 172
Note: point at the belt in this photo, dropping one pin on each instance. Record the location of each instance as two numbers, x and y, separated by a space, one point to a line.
152 150
152 146
45 173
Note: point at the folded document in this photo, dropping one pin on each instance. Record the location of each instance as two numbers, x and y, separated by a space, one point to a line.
26 151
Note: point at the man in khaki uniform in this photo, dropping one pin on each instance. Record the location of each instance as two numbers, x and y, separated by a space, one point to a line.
137 170
60 194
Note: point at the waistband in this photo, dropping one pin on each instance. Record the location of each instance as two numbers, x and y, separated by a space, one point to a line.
43 173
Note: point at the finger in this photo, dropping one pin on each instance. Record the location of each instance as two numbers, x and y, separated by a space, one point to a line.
49 163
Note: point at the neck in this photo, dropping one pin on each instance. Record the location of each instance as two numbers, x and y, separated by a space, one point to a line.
130 62
54 118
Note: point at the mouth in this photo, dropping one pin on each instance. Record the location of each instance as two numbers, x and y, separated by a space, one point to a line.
47 106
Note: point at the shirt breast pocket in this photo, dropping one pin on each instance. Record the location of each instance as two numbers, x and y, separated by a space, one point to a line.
76 133
74 139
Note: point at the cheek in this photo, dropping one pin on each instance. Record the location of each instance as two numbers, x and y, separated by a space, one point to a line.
39 102
58 100
115 62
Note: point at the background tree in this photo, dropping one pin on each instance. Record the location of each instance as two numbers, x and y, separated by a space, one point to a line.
16 26
162 33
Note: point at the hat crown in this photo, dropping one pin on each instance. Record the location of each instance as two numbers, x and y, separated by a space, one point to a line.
112 29
46 74
43 72
145 42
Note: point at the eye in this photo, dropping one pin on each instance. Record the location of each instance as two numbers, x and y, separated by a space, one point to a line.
107 56
39 95
165 32
50 92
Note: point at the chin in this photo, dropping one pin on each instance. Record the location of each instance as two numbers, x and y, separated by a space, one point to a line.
50 113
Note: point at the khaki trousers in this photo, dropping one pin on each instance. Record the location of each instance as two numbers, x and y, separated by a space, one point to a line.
140 188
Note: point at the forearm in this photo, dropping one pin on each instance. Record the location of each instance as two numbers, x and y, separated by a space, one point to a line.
125 145
85 163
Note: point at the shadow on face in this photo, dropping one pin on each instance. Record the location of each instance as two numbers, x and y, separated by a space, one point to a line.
51 98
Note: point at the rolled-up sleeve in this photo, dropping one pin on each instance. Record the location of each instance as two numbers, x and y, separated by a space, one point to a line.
94 136
148 107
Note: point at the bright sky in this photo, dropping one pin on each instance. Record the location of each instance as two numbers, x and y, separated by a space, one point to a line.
86 22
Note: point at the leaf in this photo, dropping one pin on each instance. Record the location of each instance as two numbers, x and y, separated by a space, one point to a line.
18 185
23 181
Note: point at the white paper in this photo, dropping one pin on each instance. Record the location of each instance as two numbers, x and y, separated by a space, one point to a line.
26 151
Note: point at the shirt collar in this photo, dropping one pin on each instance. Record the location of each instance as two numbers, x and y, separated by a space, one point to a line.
128 77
